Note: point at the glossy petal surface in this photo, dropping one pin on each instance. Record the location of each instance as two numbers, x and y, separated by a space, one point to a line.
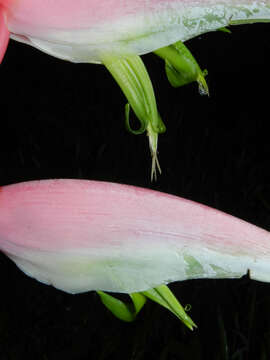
81 235
83 30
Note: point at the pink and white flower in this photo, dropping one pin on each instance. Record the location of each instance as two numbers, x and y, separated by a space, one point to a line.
116 32
80 235
85 30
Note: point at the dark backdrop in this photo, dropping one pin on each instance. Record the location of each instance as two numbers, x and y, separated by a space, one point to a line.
64 120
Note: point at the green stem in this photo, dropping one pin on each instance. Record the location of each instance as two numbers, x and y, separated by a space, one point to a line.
181 67
163 296
160 294
121 310
132 77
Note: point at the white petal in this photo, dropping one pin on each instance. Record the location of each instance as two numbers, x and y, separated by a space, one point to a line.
142 32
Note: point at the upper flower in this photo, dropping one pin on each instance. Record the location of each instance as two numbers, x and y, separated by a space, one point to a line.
116 32
83 30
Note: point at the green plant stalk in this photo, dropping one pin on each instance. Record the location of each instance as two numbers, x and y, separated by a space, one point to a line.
160 294
121 310
132 77
163 296
181 66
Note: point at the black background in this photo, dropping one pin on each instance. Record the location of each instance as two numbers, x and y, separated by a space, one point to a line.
64 120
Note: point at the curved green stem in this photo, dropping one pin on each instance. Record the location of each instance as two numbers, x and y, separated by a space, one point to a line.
163 296
160 294
181 67
121 310
132 77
